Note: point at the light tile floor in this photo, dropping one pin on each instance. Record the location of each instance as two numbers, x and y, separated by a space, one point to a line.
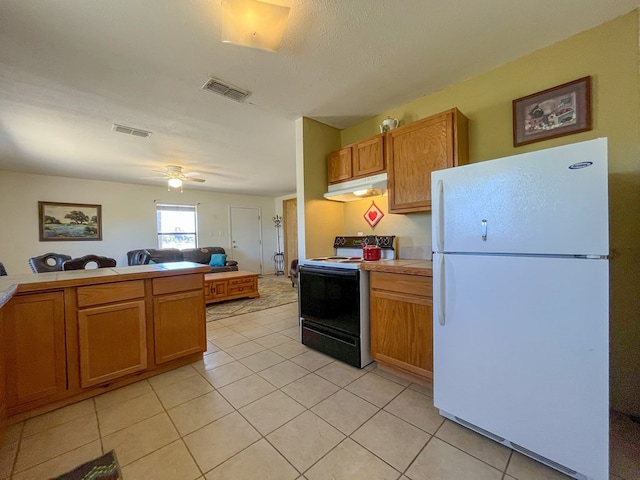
261 405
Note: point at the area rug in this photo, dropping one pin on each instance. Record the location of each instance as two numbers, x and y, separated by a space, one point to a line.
104 468
274 291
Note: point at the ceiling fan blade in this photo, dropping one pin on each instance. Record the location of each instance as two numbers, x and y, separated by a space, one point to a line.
191 174
153 178
190 179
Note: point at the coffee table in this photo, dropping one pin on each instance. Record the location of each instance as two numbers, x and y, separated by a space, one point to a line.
222 286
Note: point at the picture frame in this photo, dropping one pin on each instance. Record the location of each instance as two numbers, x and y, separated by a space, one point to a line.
69 221
555 112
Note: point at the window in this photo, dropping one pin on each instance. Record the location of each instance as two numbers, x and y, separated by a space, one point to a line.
176 226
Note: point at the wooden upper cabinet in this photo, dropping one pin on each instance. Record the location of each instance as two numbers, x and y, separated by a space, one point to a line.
415 150
339 167
360 159
368 157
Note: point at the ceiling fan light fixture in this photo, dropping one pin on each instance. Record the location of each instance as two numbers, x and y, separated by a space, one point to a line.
253 24
174 183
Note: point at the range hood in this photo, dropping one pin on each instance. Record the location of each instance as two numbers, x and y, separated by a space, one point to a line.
373 186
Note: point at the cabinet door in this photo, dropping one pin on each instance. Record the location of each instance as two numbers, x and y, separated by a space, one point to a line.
179 325
402 331
339 166
218 290
112 341
417 149
208 291
34 347
368 157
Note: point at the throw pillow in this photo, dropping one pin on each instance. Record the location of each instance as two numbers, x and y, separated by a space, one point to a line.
218 259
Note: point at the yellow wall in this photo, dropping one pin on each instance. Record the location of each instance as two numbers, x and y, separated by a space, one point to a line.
609 54
323 220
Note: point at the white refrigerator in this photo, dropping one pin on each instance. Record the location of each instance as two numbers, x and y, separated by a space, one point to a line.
521 303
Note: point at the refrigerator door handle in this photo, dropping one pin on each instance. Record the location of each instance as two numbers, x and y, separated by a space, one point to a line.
440 216
441 292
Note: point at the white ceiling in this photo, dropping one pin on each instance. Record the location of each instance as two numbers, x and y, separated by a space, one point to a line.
69 69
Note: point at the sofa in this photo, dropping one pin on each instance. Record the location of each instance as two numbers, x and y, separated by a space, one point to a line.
167 255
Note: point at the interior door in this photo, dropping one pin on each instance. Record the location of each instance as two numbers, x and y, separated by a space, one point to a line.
246 238
290 224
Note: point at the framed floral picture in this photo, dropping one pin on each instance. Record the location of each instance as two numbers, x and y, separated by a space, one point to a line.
69 221
551 113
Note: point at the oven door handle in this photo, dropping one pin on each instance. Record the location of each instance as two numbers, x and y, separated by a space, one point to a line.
328 271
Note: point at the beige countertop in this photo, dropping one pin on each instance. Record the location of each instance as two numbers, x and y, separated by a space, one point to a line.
404 266
12 284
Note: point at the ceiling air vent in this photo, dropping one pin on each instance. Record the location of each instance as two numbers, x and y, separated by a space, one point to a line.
218 86
136 132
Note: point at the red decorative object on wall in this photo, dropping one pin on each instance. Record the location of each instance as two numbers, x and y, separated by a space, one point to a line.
373 215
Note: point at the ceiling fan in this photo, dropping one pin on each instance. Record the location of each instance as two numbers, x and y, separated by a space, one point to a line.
175 177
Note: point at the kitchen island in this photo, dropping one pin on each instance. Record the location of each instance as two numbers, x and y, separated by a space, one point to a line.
401 311
68 336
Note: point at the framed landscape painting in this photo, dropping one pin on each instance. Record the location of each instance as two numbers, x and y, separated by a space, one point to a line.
558 111
69 221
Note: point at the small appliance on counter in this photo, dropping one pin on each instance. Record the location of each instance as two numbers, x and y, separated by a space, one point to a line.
334 298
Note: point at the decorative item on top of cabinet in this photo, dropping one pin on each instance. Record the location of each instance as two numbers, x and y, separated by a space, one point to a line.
415 150
401 321
357 160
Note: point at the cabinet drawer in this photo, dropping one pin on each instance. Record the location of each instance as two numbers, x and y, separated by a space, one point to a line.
178 283
235 289
110 292
402 283
241 281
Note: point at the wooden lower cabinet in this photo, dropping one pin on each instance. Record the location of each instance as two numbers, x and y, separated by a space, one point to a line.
177 325
401 321
112 341
82 335
33 346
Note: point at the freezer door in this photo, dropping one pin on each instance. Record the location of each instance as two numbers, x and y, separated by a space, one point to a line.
548 202
523 352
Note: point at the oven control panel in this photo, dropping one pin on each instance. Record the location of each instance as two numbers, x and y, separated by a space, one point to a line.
382 241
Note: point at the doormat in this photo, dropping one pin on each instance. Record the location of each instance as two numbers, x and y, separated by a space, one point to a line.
274 291
104 468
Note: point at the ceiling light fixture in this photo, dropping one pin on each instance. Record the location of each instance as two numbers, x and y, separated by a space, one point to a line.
253 24
175 183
